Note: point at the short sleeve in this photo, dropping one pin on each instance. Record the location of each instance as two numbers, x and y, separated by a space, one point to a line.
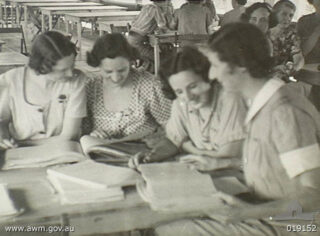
295 136
231 113
175 129
5 113
77 104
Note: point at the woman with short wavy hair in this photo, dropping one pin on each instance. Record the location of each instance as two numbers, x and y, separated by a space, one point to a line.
46 99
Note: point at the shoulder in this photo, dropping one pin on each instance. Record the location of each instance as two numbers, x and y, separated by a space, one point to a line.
149 7
306 19
143 78
13 76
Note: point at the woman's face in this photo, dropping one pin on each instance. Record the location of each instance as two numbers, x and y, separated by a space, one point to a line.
260 18
222 71
284 16
190 88
62 69
115 70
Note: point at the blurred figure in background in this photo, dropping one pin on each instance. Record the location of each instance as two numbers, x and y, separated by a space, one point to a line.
235 14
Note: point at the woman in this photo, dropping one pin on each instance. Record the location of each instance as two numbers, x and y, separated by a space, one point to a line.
45 100
204 120
286 43
258 14
281 155
122 101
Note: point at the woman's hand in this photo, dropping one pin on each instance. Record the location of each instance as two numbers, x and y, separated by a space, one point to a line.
7 144
203 163
99 133
141 157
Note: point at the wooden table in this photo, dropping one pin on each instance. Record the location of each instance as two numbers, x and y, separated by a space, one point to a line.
50 11
17 3
172 37
31 6
31 190
105 16
9 60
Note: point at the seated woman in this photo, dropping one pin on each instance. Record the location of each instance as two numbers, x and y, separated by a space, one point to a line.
45 100
122 101
258 14
284 38
281 155
193 17
204 120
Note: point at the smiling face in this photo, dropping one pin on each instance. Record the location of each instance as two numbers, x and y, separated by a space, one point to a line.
260 18
284 16
62 69
115 70
190 88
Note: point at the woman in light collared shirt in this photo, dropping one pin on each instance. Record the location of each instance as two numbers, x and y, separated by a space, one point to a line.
44 100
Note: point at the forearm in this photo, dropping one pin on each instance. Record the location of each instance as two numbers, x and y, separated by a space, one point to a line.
308 45
298 61
164 150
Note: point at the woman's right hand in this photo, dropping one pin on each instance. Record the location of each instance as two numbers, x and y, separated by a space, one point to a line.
140 157
7 144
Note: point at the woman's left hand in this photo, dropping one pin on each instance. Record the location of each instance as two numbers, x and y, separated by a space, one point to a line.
203 163
98 133
235 210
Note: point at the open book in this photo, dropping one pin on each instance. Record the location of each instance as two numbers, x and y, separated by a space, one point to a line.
175 187
115 151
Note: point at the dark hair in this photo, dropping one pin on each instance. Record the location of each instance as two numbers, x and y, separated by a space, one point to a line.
47 49
311 2
243 45
245 17
241 2
189 58
111 46
276 8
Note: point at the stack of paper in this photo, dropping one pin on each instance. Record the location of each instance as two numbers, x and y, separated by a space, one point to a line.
88 182
7 207
175 187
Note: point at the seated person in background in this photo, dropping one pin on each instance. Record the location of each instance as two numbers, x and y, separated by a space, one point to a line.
258 14
192 18
205 120
235 14
45 100
285 41
153 17
281 155
309 32
122 101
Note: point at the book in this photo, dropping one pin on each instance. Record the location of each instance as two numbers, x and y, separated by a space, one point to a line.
74 193
97 175
43 155
7 207
89 181
174 187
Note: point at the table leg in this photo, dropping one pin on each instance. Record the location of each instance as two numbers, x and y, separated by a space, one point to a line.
156 56
50 21
43 22
1 11
79 34
17 14
6 14
67 26
26 14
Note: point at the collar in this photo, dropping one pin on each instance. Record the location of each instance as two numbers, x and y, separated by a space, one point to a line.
263 96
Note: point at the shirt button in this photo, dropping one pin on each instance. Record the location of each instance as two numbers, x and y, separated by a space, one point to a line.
40 110
42 132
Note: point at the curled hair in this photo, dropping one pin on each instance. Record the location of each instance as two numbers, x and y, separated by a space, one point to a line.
47 49
241 2
276 8
111 46
243 45
245 17
188 59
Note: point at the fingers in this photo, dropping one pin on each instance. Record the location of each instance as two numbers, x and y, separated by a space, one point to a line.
136 160
7 144
99 134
